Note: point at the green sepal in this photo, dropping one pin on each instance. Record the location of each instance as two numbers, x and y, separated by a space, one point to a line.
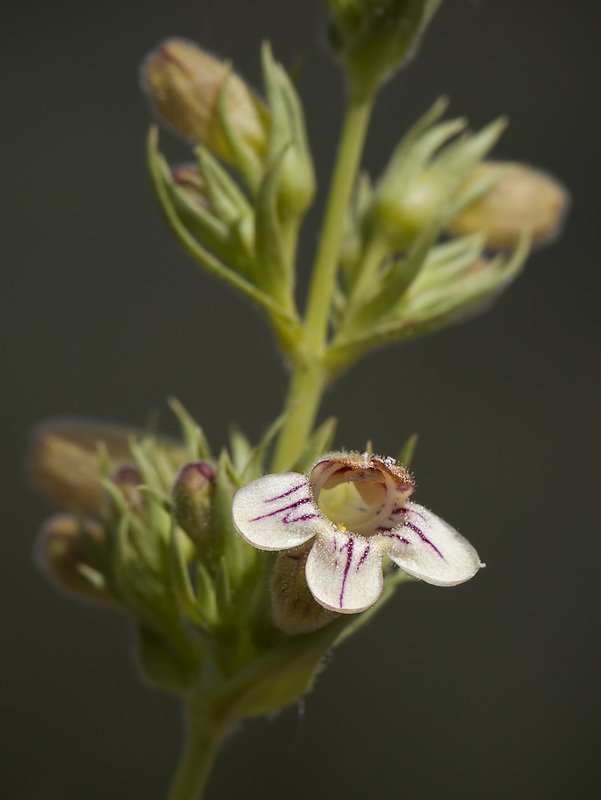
411 156
227 542
416 131
456 161
319 442
452 306
223 591
396 283
279 677
353 239
245 158
405 456
229 204
273 270
283 321
240 449
200 222
256 461
194 437
137 587
180 576
206 595
296 184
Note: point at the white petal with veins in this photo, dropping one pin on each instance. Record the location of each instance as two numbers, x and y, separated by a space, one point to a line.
425 546
277 512
344 573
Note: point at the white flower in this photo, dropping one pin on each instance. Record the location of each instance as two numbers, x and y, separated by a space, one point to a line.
356 510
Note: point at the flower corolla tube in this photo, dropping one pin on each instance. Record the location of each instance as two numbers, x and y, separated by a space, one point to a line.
355 509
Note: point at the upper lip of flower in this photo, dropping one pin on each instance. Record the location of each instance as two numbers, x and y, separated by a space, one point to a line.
366 516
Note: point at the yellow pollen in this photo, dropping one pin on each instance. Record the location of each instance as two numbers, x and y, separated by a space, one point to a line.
341 528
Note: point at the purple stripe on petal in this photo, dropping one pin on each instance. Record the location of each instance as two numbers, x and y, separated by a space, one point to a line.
280 496
422 536
364 556
287 517
349 557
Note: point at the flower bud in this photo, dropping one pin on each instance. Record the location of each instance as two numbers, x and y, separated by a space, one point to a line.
294 607
188 178
523 201
127 479
183 84
63 461
61 552
192 497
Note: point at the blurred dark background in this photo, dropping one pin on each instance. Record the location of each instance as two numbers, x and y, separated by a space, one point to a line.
486 691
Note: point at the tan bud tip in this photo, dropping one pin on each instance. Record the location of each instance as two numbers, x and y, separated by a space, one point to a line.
183 84
63 460
524 201
61 553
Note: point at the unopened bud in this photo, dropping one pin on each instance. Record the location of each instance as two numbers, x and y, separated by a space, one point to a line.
192 496
402 215
188 178
523 201
64 462
183 83
127 479
61 552
294 608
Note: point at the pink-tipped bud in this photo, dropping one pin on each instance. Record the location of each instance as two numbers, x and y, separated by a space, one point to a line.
188 178
127 479
192 497
183 83
523 201
61 553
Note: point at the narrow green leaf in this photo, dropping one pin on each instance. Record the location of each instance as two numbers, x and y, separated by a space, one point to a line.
283 318
182 585
406 452
255 463
318 444
273 270
196 441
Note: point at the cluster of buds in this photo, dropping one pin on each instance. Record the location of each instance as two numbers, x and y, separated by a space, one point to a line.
240 223
146 527
441 234
398 276
373 38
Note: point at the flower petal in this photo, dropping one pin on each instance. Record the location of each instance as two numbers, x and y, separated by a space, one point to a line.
276 512
344 573
427 547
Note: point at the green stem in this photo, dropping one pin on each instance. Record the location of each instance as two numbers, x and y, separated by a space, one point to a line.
304 395
310 376
204 736
324 272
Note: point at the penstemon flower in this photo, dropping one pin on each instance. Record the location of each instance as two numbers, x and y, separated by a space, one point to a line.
356 510
169 531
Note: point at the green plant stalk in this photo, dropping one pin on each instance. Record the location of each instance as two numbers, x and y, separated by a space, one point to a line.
204 736
309 377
